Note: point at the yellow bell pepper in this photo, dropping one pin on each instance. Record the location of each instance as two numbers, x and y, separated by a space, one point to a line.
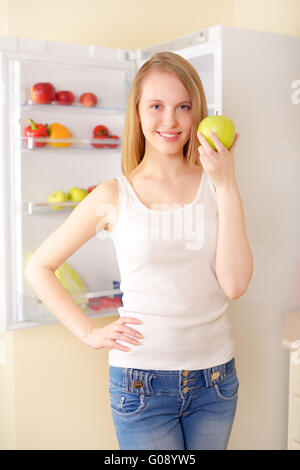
58 131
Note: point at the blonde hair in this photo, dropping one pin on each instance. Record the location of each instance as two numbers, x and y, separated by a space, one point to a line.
133 145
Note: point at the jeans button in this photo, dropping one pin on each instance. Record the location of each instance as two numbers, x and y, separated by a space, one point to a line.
185 389
185 373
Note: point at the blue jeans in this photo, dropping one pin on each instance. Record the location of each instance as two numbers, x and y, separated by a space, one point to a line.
173 409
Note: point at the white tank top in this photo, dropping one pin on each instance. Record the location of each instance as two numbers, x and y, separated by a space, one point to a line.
167 263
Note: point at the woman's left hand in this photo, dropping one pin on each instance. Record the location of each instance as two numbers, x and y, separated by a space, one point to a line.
218 164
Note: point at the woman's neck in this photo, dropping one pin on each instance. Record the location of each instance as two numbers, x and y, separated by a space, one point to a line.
163 166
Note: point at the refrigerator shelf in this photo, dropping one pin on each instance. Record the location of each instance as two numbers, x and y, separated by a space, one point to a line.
34 143
72 108
97 294
31 207
105 302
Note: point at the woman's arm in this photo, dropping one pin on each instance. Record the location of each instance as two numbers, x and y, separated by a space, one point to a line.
234 260
82 224
91 216
53 295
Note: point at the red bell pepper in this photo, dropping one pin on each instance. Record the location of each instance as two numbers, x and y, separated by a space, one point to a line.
36 130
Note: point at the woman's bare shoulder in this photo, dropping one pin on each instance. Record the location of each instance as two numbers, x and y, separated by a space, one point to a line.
108 190
109 195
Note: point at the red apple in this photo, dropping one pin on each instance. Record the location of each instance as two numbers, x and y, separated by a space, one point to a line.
64 97
90 189
42 93
88 99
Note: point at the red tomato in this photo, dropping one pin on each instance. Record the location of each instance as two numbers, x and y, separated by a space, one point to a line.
99 146
95 304
117 302
100 130
113 137
107 302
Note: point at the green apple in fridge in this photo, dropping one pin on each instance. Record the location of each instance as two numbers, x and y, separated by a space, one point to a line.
77 194
221 125
57 196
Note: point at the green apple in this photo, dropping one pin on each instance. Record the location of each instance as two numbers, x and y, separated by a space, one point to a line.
77 194
57 196
222 126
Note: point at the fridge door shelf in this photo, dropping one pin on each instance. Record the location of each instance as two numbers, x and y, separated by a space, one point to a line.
31 309
71 143
31 207
73 108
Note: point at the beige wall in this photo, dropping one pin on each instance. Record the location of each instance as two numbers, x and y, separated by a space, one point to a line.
61 391
276 16
54 389
132 24
7 395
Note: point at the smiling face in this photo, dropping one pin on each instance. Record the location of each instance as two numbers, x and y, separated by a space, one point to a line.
165 112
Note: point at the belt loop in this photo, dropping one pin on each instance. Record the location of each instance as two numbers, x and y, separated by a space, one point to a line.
134 380
127 375
125 378
128 379
146 383
223 371
205 373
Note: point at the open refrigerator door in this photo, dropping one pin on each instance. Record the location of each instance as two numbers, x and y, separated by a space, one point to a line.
203 50
61 167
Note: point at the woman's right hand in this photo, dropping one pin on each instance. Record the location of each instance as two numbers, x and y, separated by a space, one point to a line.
106 337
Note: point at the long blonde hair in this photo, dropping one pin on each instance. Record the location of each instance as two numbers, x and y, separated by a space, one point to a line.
133 145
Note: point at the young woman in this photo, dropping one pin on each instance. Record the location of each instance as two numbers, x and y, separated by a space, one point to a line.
176 219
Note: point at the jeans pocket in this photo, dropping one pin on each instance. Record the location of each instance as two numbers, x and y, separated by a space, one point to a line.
227 389
125 403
